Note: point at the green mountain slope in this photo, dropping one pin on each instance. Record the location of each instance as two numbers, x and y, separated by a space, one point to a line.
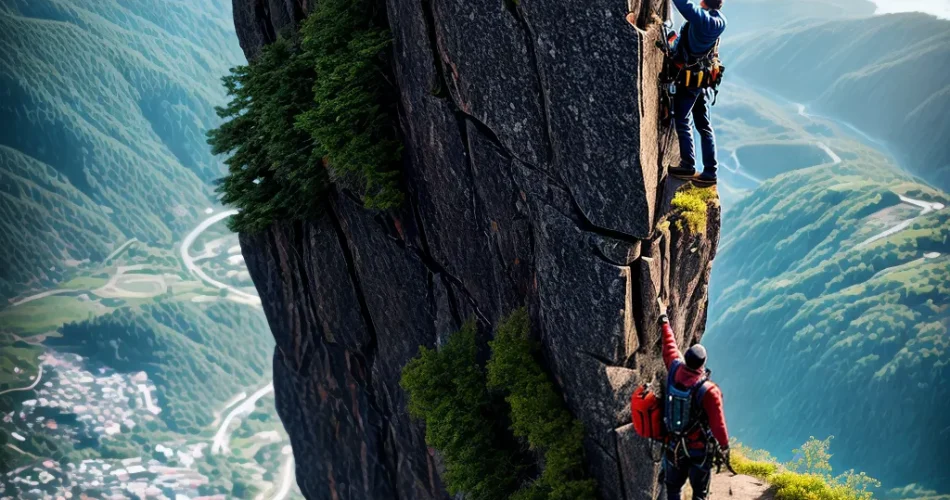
885 74
116 96
45 219
845 335
104 170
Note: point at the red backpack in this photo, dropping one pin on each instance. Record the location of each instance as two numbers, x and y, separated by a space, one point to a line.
646 410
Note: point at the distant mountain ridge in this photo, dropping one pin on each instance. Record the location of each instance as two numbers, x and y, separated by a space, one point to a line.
887 75
747 16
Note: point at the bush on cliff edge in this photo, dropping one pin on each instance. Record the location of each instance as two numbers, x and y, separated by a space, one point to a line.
807 477
313 108
447 390
355 114
538 413
274 171
483 441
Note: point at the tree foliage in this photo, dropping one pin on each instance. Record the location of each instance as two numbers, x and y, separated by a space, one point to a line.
808 476
483 441
447 389
274 171
354 117
313 108
538 413
812 457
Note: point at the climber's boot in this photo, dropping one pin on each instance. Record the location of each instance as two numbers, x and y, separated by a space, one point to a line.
683 172
705 179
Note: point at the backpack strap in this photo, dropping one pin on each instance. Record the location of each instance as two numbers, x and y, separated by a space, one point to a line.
671 375
703 388
675 364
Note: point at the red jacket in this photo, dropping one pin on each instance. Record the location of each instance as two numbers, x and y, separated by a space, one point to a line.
687 377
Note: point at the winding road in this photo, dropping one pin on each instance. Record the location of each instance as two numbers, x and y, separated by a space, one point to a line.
197 272
925 207
43 295
231 402
39 375
119 250
286 475
222 438
220 443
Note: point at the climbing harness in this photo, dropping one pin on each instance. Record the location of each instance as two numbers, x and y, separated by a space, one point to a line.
683 416
679 69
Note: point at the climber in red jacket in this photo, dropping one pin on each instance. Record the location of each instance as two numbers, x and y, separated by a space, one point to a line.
693 418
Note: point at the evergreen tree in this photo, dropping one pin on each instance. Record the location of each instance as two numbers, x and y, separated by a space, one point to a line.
355 113
275 169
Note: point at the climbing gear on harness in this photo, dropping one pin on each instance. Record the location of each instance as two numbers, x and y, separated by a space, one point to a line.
647 413
681 67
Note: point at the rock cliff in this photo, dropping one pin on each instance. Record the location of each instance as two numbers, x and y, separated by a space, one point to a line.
534 173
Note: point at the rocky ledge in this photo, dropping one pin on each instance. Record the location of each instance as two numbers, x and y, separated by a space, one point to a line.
535 176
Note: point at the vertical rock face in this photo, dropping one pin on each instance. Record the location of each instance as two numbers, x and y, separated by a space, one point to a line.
535 176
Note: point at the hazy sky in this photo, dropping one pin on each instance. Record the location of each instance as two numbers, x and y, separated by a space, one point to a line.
939 8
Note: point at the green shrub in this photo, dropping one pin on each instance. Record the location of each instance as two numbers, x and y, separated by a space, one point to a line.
692 207
858 483
311 109
795 486
807 476
274 171
355 113
538 413
754 468
469 423
447 390
812 457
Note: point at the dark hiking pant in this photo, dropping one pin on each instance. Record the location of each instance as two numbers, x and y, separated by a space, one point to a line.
689 105
697 470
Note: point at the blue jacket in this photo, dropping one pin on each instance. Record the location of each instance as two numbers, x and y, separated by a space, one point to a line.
705 27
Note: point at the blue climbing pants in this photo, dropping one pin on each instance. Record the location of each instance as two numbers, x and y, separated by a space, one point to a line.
675 473
689 105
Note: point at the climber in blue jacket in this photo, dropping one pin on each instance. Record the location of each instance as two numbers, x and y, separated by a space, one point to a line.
698 38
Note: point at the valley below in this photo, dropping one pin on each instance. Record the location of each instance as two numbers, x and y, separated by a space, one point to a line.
72 424
832 275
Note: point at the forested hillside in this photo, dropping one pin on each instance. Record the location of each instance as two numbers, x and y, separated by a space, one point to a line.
197 354
103 116
887 75
843 324
129 333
